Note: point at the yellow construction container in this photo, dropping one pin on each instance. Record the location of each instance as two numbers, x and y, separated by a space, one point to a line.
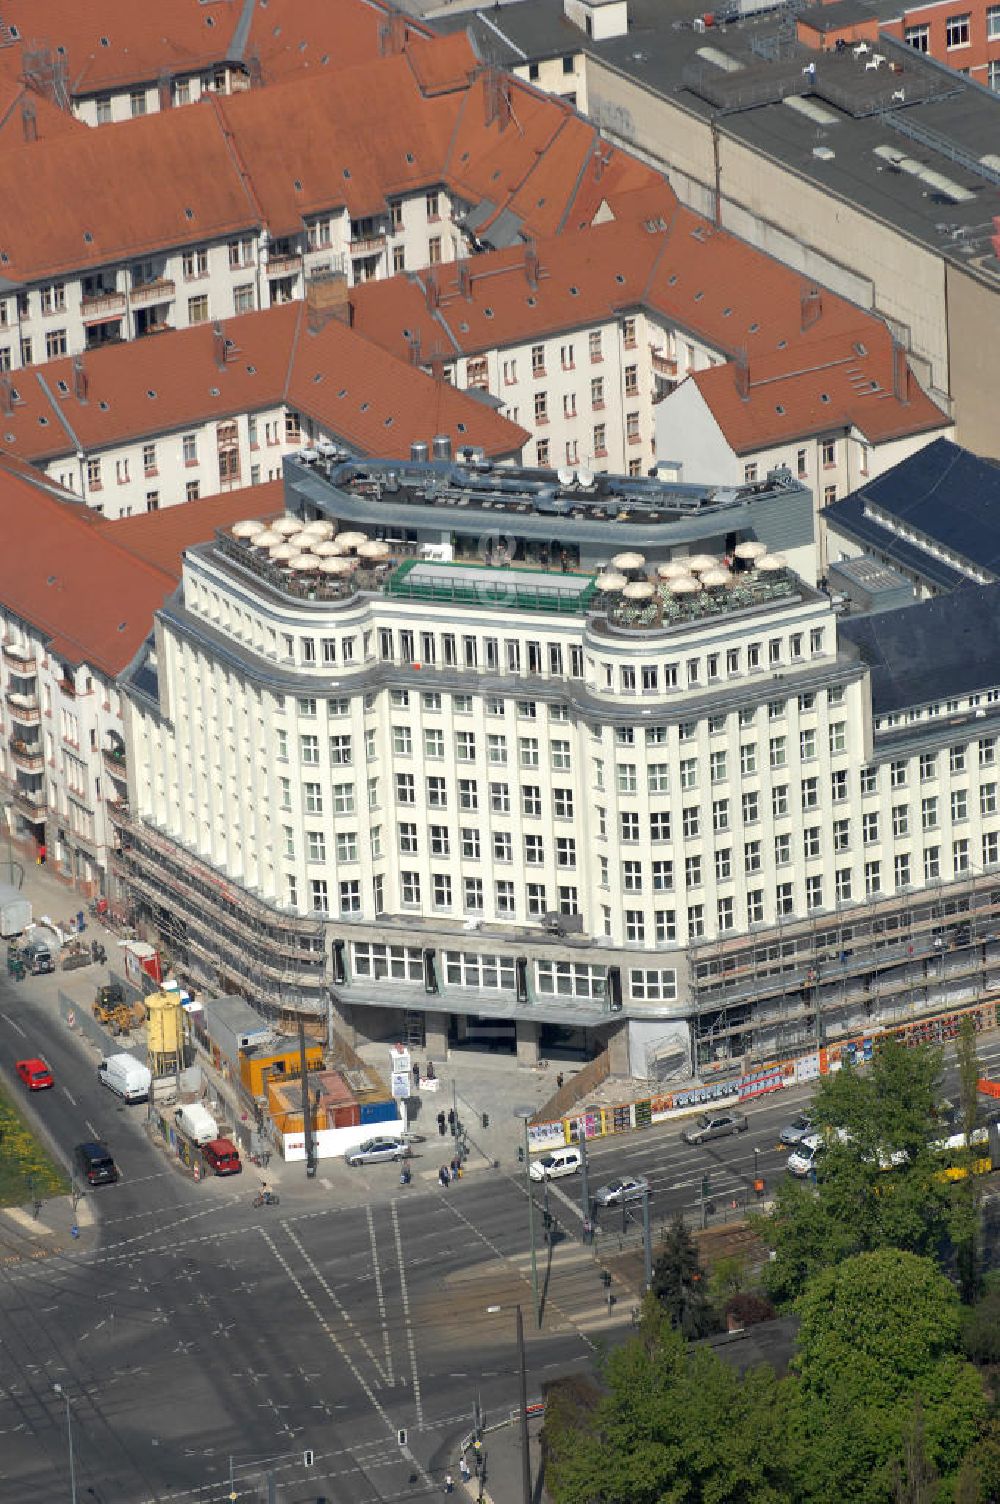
164 1032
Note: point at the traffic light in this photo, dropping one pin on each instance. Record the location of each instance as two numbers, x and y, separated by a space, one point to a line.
401 1436
486 1120
520 1154
441 1124
452 1121
308 1457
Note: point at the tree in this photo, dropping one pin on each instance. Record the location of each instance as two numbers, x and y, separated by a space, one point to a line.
914 1477
878 1180
679 1283
674 1426
968 1076
878 1334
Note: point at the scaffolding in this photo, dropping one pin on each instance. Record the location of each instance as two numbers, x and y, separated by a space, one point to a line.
804 983
224 936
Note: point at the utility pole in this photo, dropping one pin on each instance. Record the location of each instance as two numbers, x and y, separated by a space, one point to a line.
647 1242
531 1226
306 1106
584 1180
525 1453
58 1389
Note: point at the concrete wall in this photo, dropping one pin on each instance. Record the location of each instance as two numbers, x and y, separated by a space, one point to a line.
975 362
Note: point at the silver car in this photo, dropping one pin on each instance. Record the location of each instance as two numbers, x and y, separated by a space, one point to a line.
794 1132
375 1150
715 1125
629 1188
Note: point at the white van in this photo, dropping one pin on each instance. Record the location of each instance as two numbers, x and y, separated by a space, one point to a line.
556 1163
197 1123
126 1076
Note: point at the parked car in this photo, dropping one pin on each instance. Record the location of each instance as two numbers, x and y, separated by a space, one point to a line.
376 1150
126 1077
794 1132
715 1125
35 1074
222 1157
802 1160
629 1188
93 1161
559 1162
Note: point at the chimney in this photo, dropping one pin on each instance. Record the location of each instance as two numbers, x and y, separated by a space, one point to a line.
812 307
741 375
465 280
415 349
327 297
80 382
531 267
599 162
432 292
164 89
437 367
491 95
218 344
504 107
900 373
6 392
29 121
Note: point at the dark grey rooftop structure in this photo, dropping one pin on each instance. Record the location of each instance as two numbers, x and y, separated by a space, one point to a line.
909 141
932 651
935 515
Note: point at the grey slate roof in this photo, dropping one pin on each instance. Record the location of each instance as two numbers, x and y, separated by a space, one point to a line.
944 492
933 650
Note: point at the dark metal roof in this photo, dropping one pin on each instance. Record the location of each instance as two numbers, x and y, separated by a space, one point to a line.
933 650
945 493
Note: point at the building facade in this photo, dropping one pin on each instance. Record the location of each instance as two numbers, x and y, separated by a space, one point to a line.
550 812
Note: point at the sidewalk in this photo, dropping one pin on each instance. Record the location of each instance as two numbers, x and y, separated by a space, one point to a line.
25 1237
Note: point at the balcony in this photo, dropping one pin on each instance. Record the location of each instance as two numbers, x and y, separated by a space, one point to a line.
30 802
368 245
147 293
26 755
103 305
24 708
114 762
664 365
284 266
21 660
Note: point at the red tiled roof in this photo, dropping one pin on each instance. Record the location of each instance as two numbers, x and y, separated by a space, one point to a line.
372 400
442 64
26 117
160 538
74 209
818 386
283 135
583 276
298 37
92 600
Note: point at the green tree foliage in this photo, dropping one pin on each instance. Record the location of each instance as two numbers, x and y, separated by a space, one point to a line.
885 1116
878 1337
675 1426
968 1075
679 1283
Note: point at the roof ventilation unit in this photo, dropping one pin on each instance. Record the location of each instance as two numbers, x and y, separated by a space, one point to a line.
418 452
442 446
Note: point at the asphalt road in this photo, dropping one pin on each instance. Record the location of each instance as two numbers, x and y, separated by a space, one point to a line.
197 1329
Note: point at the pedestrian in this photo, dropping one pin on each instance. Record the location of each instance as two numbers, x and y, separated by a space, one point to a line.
449 1484
464 1469
559 1081
42 854
456 1168
430 1070
444 1176
416 1074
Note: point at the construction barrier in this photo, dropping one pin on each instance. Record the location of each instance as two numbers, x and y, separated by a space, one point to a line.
600 1121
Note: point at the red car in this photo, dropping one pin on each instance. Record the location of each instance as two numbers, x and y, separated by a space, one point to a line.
222 1156
35 1074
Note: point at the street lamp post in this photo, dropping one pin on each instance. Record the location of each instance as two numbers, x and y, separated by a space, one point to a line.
524 1115
525 1453
58 1389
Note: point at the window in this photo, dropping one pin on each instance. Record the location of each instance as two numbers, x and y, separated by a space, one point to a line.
692 871
929 813
782 850
407 835
560 755
343 798
632 877
562 803
442 890
918 37
198 309
137 102
900 820
748 758
751 856
541 407
500 798
959 805
960 855
466 969
956 31
778 751
350 897
403 963
496 750
405 789
347 845
869 829
869 780
434 250
779 800
720 815
433 203
340 750
629 826
690 822
531 800
631 381
632 433
55 344
814 892
628 334
504 892
932 863
842 835
104 110
838 786
653 986
987 751
594 344
570 979
319 902
409 889
993 23
751 809
468 794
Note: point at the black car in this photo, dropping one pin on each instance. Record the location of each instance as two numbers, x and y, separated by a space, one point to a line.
94 1164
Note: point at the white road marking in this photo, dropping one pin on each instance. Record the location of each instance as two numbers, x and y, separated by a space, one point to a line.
406 1318
15 1026
70 1095
93 1130
377 1274
329 1291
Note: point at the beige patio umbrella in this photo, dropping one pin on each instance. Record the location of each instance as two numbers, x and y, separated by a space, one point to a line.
638 590
750 550
247 528
611 582
283 552
716 579
267 539
374 550
628 561
336 566
303 563
320 528
684 584
772 564
673 569
352 540
699 563
286 526
301 539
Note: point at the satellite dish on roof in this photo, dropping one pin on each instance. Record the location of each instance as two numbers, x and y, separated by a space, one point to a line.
585 477
566 475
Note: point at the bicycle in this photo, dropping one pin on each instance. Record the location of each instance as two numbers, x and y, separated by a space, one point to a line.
265 1198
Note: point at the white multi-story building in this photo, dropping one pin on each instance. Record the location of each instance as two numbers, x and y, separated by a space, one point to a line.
473 786
163 422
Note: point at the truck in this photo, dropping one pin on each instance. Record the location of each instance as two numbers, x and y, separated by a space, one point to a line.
15 911
196 1123
126 1077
